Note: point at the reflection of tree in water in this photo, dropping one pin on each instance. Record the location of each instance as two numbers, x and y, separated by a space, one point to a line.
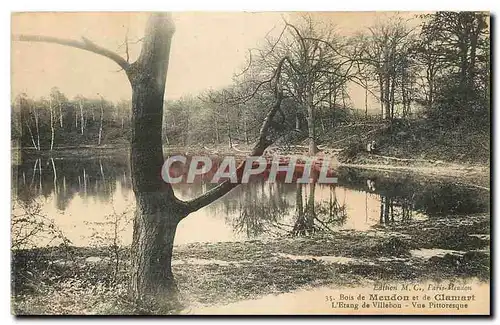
304 223
262 207
317 216
395 205
395 209
65 178
331 213
402 195
449 198
398 203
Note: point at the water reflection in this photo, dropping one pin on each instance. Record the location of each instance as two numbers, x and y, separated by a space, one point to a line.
261 208
78 194
63 179
317 216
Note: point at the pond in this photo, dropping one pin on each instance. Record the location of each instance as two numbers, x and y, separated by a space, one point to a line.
90 200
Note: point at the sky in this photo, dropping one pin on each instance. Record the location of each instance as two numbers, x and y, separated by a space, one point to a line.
207 50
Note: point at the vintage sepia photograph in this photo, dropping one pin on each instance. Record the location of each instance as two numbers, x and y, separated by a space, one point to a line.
250 163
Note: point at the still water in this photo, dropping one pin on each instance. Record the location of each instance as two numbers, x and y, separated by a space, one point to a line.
91 199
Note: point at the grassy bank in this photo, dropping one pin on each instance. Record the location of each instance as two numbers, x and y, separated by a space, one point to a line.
413 139
70 280
461 174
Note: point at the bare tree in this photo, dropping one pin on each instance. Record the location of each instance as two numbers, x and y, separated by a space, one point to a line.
384 53
452 43
318 69
26 112
58 98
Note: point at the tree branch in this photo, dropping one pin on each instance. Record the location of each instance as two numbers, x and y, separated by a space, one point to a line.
85 44
268 53
263 142
274 77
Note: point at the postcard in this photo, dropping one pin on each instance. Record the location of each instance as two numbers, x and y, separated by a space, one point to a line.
250 163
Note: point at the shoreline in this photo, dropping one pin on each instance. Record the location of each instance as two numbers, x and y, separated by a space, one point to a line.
475 175
469 176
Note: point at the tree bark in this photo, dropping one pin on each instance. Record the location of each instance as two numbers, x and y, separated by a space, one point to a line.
387 96
298 124
37 127
228 125
392 99
52 130
26 121
157 213
366 99
431 88
381 89
152 282
60 114
334 110
299 207
403 93
477 24
245 125
310 209
81 116
310 125
31 135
